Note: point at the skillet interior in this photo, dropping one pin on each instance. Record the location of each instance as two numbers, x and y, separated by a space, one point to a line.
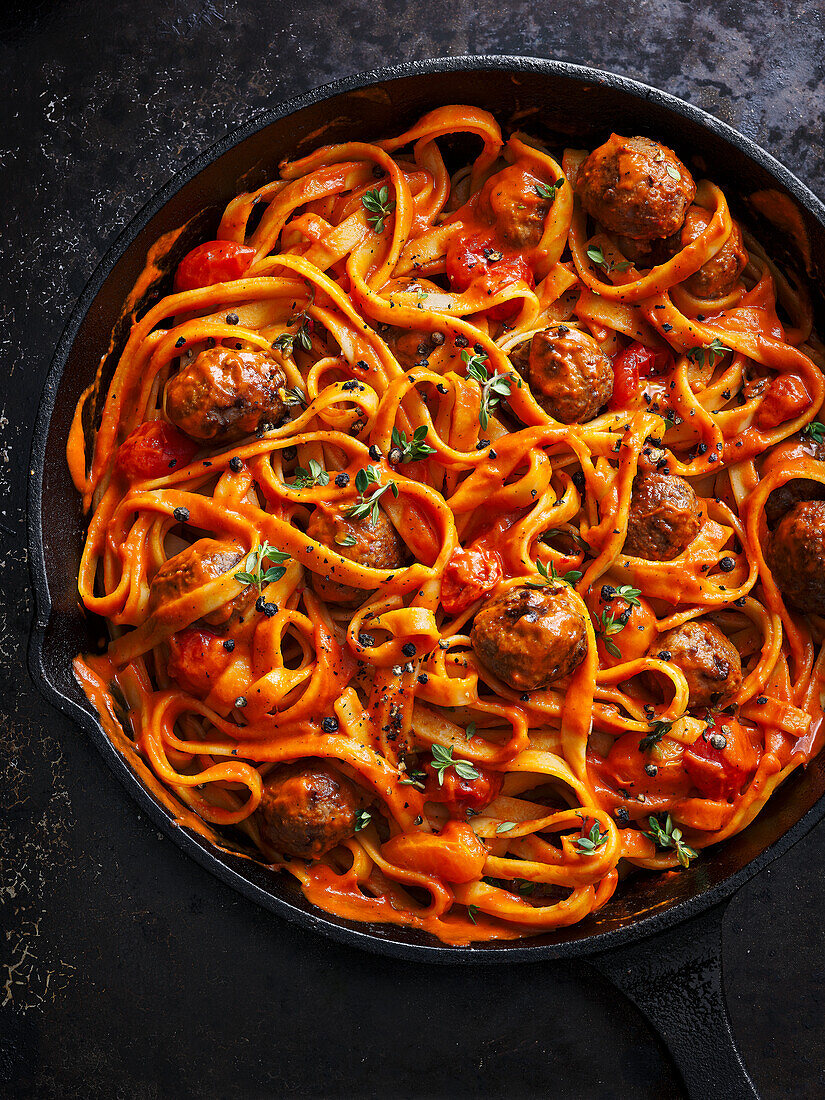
562 103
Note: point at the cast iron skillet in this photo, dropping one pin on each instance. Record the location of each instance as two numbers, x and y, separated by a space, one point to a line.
659 939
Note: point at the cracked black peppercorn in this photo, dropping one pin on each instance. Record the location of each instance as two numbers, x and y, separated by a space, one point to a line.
408 649
236 464
329 725
181 514
232 318
342 480
726 564
229 645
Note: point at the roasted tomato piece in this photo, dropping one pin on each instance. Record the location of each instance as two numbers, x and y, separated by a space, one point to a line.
153 450
468 576
625 627
213 262
721 759
476 259
786 397
632 364
462 794
196 659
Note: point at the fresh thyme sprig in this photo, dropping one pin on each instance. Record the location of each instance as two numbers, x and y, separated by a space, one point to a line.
548 190
368 506
608 624
666 836
552 576
442 759
309 478
816 430
379 206
362 819
587 844
598 258
493 387
715 350
658 730
255 572
412 450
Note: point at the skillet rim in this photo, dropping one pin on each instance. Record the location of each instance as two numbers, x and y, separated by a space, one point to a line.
381 939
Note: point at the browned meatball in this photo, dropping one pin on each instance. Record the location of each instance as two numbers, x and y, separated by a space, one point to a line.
710 662
569 374
635 187
781 500
194 567
226 394
378 546
718 275
307 808
509 201
796 556
664 517
530 637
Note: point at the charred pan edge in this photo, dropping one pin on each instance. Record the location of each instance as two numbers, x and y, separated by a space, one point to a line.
253 881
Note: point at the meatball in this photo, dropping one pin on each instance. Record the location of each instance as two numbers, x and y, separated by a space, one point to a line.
718 275
710 662
191 569
376 545
307 808
569 374
530 637
509 201
781 500
796 556
226 394
664 517
635 187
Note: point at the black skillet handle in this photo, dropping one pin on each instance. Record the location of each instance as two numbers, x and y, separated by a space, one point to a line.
675 979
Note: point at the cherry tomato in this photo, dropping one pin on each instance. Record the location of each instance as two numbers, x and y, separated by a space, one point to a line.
468 575
153 449
213 262
636 635
785 398
196 660
477 259
720 773
626 762
461 794
632 364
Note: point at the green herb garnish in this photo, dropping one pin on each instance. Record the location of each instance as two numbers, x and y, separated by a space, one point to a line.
368 506
414 449
816 430
443 759
598 258
658 730
587 845
255 572
379 206
493 387
548 190
308 479
715 350
362 819
666 836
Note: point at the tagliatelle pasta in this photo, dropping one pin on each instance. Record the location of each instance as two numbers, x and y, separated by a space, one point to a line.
459 530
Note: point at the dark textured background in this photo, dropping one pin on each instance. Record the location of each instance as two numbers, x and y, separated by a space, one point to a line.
126 970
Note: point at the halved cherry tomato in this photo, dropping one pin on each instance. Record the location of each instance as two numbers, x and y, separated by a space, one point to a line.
213 262
462 794
720 773
196 660
468 575
153 449
785 398
478 259
635 362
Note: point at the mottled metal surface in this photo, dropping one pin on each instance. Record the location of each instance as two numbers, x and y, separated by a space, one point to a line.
124 968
